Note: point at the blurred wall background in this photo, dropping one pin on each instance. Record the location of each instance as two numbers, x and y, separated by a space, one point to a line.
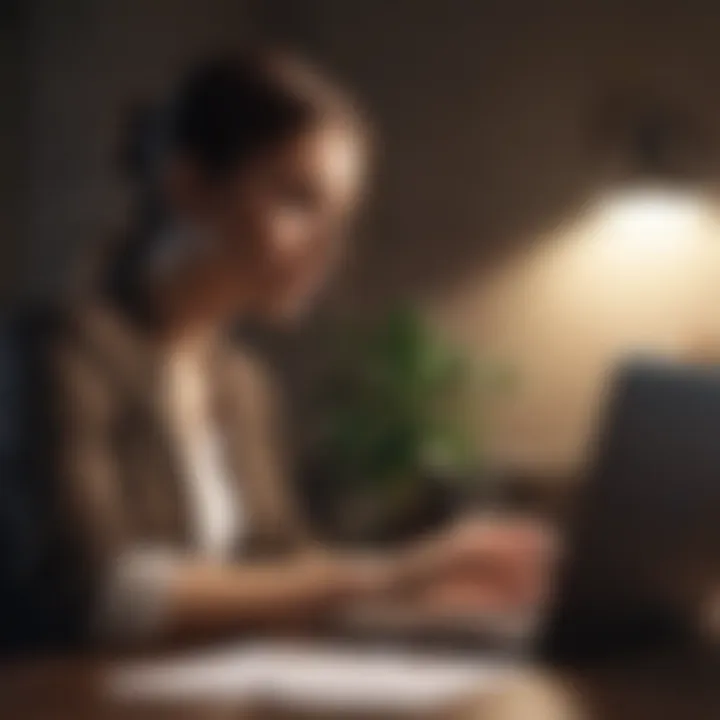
487 180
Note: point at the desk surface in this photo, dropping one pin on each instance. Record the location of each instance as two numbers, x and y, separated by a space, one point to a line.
669 689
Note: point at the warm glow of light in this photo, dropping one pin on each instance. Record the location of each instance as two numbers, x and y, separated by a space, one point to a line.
637 272
651 219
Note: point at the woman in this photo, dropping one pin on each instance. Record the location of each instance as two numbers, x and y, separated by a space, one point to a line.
170 507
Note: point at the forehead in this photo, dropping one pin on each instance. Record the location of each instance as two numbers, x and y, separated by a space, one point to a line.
330 158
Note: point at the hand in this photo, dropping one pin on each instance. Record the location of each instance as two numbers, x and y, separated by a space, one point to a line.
494 563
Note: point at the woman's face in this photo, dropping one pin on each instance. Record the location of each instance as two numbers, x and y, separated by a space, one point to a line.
280 221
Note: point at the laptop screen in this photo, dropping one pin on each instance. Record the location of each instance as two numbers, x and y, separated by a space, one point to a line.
646 542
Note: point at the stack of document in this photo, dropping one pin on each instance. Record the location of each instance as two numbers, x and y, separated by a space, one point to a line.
310 676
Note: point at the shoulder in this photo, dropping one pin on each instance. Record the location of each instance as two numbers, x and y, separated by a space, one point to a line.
92 321
64 321
72 367
87 348
42 328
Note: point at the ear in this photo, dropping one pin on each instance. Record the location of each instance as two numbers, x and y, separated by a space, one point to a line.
184 186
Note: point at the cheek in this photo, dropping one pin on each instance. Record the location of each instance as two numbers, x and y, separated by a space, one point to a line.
301 258
284 251
293 263
278 234
289 235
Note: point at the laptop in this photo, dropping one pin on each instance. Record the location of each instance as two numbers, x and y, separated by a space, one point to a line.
644 562
644 548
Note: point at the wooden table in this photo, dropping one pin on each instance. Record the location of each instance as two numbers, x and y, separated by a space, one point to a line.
679 688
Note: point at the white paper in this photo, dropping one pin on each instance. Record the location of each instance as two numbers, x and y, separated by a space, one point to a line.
310 677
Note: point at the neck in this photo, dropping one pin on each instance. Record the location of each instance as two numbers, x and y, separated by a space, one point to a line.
189 291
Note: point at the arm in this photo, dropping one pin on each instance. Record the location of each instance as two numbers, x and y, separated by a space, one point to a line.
204 600
145 593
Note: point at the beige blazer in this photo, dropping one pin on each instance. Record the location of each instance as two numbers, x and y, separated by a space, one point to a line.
117 476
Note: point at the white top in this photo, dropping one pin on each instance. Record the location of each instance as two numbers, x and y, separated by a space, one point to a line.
136 591
215 520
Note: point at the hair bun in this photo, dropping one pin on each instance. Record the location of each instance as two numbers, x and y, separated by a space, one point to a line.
138 141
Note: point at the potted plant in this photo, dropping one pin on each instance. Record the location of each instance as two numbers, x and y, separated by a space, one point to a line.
397 420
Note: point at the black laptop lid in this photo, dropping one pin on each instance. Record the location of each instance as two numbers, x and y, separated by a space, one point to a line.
646 543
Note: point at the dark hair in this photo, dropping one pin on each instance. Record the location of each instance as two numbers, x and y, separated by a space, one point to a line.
222 114
228 109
